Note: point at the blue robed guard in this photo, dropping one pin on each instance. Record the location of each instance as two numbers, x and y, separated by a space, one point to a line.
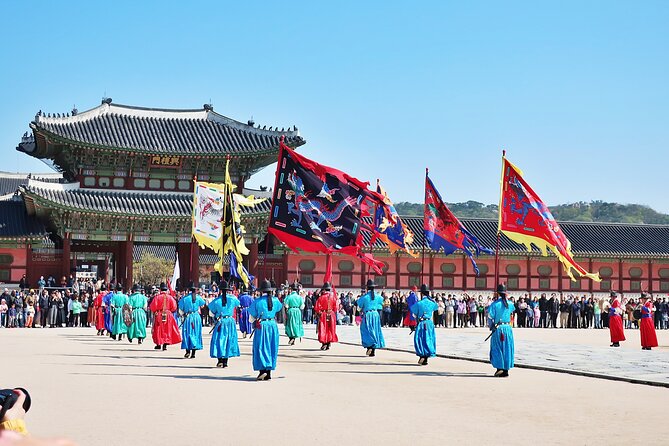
424 340
370 327
224 342
501 339
266 333
191 328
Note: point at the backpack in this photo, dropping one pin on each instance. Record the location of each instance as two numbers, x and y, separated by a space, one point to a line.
128 317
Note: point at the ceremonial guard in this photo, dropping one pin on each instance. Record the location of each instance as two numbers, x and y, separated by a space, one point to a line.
326 309
224 343
191 327
106 303
266 332
424 340
118 301
294 304
138 303
616 320
164 331
501 339
370 327
646 326
245 326
100 310
409 319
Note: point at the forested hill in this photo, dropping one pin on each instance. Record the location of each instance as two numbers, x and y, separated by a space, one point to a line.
595 211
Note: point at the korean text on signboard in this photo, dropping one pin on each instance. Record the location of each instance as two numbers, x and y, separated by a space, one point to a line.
165 161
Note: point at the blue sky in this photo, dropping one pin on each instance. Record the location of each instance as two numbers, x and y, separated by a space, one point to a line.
575 91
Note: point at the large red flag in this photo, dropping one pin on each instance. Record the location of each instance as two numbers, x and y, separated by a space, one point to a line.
526 220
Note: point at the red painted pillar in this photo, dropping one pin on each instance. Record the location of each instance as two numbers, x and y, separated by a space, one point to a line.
397 271
528 276
65 262
559 268
620 278
195 263
32 281
464 273
253 258
431 271
127 262
590 287
650 276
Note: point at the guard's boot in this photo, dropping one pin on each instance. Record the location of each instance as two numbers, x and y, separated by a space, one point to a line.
219 363
373 352
327 346
262 376
192 354
269 375
499 372
187 354
225 362
140 340
157 347
164 347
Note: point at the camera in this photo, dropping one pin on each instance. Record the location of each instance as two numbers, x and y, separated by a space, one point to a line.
8 397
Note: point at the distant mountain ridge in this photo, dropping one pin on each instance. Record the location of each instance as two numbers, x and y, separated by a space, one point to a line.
594 211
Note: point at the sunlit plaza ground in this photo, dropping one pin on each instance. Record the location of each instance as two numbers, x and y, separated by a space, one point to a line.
97 391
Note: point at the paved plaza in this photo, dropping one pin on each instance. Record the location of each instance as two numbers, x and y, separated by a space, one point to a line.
102 392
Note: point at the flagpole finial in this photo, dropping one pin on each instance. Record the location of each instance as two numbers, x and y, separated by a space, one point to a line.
503 152
427 170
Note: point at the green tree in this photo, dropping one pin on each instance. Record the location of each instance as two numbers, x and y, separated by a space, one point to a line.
152 270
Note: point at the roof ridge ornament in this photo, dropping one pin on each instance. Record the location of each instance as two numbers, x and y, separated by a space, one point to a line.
208 107
106 100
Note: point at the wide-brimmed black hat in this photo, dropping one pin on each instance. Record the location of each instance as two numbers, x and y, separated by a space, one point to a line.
103 287
424 289
295 286
613 294
191 286
137 287
163 286
644 295
501 289
266 286
326 287
370 284
119 287
224 286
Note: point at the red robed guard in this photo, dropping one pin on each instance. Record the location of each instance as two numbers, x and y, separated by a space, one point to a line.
646 326
99 309
165 330
326 309
616 321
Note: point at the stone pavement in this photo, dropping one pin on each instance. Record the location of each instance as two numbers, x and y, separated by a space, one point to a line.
544 349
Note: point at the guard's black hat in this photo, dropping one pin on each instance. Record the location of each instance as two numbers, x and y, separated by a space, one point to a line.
295 286
424 289
266 286
501 290
103 287
370 284
613 294
137 287
163 286
119 287
224 286
326 287
191 286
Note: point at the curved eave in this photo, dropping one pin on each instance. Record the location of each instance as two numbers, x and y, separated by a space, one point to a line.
43 152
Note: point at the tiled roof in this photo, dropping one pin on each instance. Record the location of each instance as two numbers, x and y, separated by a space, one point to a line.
600 239
10 182
16 223
141 203
176 132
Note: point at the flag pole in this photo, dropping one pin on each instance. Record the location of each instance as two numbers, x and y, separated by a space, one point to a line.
499 226
225 215
276 183
422 260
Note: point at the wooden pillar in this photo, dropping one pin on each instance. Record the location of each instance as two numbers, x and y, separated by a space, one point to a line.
398 277
464 273
590 287
127 264
253 257
528 276
65 262
105 277
285 269
183 250
32 281
194 252
559 268
650 276
431 271
620 277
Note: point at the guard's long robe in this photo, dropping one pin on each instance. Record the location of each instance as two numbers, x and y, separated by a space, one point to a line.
99 311
245 325
224 342
191 329
409 319
370 326
616 322
424 340
326 309
647 327
502 346
106 301
138 303
164 330
118 326
266 335
294 304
